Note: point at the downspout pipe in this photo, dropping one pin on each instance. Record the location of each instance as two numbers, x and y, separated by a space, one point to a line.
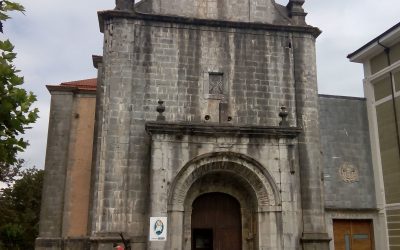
387 52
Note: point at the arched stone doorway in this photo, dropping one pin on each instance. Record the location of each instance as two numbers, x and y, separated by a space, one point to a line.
235 175
216 222
232 185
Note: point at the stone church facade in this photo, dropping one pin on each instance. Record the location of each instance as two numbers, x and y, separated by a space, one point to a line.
207 113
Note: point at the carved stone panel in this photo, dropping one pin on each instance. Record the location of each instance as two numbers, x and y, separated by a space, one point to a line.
348 172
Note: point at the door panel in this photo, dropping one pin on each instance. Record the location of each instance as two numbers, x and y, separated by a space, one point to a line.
202 239
219 214
353 234
341 233
361 235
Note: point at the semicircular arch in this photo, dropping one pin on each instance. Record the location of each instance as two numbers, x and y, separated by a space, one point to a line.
257 177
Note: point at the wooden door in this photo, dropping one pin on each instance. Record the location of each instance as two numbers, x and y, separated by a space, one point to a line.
352 234
216 223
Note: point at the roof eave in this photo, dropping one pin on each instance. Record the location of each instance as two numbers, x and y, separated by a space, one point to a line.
371 49
105 15
72 89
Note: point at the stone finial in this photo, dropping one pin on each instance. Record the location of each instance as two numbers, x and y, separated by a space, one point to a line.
284 114
160 110
296 11
127 5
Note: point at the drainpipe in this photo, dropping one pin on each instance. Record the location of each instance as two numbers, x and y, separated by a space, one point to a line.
387 52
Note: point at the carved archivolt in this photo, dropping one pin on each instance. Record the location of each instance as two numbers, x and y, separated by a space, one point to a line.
247 169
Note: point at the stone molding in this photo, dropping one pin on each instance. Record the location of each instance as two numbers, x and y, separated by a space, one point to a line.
73 89
216 128
106 15
356 210
257 176
97 60
315 238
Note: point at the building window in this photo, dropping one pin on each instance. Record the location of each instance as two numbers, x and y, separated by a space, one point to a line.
215 85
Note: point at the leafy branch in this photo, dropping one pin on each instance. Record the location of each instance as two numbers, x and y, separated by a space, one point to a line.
7 6
16 111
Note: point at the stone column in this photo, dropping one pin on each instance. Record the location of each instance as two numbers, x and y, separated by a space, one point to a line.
51 216
314 229
158 192
269 233
97 142
120 177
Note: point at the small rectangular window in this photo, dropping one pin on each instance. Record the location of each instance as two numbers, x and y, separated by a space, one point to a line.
216 84
347 241
360 236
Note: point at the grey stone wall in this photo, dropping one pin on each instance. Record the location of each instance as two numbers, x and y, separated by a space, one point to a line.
51 216
148 60
263 11
345 141
154 61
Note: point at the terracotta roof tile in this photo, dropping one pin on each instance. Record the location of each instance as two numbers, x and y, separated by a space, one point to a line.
82 84
87 85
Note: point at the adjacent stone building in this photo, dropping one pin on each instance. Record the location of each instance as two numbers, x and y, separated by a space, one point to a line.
381 60
207 113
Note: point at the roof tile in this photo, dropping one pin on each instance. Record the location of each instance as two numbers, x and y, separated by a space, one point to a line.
82 84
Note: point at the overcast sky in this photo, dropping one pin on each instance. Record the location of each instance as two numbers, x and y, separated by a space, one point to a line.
56 38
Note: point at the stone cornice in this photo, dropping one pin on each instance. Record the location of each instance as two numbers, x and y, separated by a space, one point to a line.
158 127
105 15
349 210
72 89
97 60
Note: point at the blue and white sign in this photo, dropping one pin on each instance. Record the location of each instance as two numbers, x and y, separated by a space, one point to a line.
158 229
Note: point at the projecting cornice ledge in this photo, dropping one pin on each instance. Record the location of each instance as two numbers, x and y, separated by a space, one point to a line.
105 15
160 127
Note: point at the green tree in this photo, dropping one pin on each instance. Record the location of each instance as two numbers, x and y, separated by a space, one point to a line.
16 112
19 211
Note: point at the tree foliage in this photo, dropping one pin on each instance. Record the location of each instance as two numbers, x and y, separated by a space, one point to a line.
19 211
6 6
16 112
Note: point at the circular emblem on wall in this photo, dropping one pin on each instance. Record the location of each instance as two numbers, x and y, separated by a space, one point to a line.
158 227
348 172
